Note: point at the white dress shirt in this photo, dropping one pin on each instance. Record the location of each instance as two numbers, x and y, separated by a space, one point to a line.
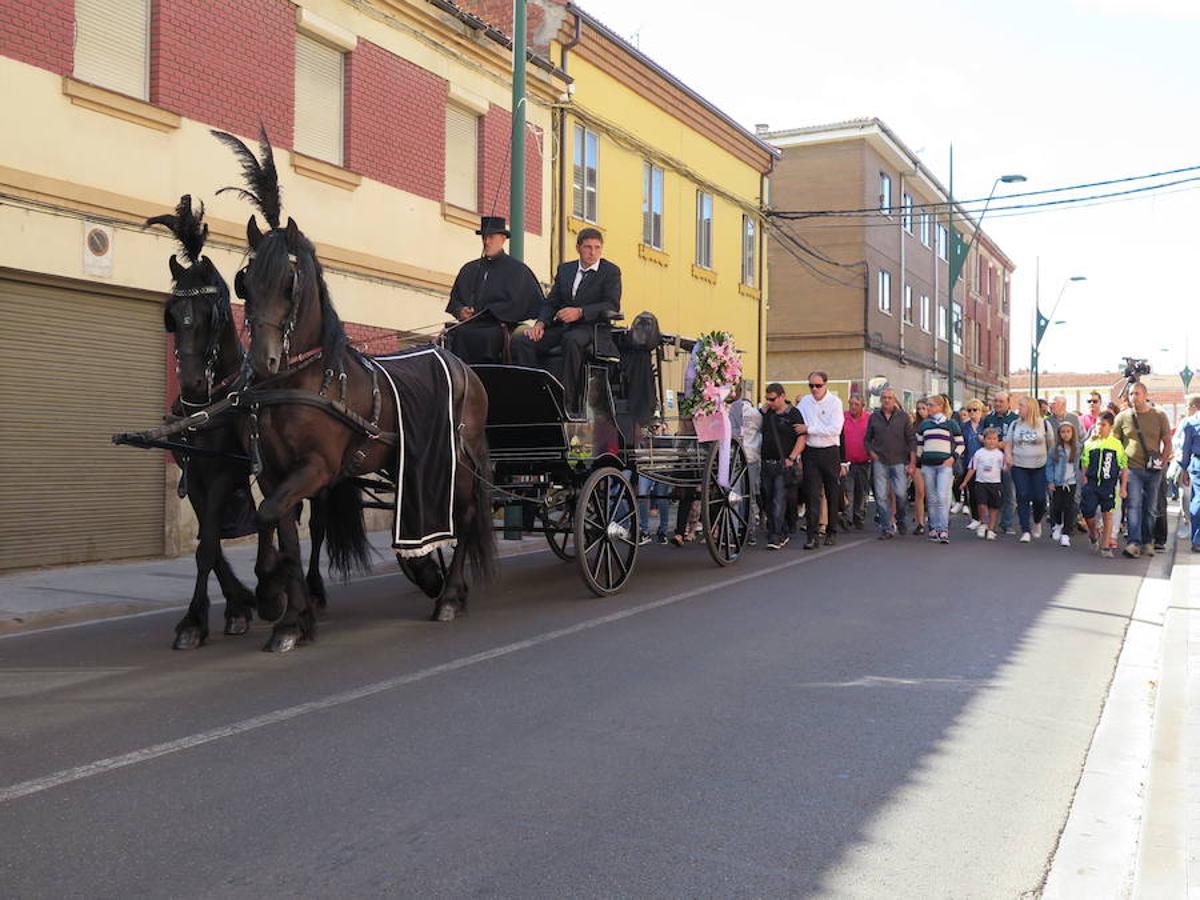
579 276
823 419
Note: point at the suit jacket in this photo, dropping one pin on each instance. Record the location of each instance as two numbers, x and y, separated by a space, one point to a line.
598 291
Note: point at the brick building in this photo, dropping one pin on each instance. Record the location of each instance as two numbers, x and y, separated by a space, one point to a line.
865 296
390 121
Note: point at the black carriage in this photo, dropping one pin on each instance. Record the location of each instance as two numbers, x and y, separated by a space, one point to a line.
574 478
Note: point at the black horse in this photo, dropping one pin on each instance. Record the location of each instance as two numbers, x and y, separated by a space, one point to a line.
309 451
209 360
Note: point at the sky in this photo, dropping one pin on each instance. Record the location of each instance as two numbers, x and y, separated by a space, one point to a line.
1061 91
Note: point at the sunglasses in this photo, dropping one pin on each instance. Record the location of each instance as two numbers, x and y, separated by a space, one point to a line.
771 398
813 387
1093 401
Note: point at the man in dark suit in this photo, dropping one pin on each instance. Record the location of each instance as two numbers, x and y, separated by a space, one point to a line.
584 291
490 295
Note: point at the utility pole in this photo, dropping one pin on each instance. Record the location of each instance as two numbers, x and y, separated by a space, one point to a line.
516 180
955 271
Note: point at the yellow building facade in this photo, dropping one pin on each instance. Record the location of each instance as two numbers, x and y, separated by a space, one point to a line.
675 186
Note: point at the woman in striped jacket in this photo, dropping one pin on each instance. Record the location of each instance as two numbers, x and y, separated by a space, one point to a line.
939 443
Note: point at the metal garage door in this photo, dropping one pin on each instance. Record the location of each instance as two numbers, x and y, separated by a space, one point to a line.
67 495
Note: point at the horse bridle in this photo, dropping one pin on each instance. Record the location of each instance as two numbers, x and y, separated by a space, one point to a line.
288 325
214 341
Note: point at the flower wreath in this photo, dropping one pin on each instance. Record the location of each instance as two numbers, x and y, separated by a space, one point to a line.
713 370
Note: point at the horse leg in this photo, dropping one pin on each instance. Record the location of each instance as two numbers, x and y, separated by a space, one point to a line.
453 600
298 622
239 599
192 630
316 531
269 594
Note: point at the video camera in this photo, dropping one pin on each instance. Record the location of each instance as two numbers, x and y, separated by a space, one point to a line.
1135 368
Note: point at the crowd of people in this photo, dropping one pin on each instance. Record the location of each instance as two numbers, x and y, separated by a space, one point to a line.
1021 468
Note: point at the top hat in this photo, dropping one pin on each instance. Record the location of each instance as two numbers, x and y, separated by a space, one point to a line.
493 225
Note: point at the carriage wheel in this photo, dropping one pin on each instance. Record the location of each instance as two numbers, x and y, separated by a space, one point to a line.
559 523
726 513
606 531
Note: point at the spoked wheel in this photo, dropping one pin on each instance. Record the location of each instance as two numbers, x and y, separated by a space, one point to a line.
559 522
726 513
606 531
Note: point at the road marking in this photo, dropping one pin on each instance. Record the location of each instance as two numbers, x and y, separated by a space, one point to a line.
136 757
214 604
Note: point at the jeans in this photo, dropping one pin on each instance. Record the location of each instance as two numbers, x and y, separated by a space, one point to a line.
894 477
1160 515
939 480
857 480
1141 505
1030 486
755 474
1194 501
660 494
1008 500
775 495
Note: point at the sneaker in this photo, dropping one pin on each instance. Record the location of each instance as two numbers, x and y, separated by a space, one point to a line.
1056 533
644 539
663 539
1065 541
1133 551
901 528
944 537
982 532
774 545
1196 548
1149 549
1037 531
973 525
956 509
886 535
830 538
1107 552
751 540
786 539
1159 547
991 535
920 529
1025 537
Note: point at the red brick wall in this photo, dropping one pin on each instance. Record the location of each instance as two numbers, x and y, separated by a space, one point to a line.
41 34
226 63
494 141
395 121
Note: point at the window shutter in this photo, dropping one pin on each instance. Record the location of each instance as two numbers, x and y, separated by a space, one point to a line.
112 45
318 100
462 158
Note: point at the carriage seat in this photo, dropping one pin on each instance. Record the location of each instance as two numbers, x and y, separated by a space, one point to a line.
604 349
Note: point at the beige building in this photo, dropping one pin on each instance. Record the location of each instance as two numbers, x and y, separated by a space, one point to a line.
863 294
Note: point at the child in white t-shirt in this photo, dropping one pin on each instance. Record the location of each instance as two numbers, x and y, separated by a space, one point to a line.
987 469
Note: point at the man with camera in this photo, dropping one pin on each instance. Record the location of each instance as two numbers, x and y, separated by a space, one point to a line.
1145 433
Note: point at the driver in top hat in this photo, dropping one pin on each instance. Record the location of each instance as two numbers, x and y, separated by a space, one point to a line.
490 295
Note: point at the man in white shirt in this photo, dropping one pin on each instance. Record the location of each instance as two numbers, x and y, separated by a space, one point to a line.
822 458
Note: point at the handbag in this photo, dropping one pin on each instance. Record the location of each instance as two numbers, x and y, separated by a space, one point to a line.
791 474
1154 460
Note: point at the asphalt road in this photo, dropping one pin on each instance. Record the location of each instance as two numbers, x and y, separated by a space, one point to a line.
883 720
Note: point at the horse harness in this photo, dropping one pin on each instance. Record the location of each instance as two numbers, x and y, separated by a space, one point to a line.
210 352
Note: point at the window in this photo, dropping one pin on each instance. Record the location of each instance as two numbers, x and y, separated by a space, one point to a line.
885 291
943 240
749 251
941 325
957 327
112 45
704 229
885 193
906 212
925 228
587 166
908 304
926 324
462 157
652 206
319 93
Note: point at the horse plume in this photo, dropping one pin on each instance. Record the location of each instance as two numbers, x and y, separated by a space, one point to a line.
189 227
262 181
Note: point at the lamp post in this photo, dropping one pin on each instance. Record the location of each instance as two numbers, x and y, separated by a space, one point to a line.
957 261
1041 324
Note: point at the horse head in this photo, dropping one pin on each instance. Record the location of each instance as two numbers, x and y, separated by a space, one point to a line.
198 313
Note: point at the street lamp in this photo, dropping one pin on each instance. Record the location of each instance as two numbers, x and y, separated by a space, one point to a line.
957 262
1040 325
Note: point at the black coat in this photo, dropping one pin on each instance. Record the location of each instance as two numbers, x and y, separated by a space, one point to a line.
598 291
504 285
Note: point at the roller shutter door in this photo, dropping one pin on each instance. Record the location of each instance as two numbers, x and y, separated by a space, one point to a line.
75 367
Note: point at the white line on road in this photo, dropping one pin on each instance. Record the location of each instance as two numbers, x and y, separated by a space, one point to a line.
136 757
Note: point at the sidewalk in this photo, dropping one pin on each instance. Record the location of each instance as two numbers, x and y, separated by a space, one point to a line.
47 598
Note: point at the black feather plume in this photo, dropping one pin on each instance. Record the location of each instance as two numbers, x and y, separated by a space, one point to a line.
189 227
262 180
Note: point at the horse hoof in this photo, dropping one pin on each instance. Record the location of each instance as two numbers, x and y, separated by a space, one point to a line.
281 643
445 612
189 639
237 626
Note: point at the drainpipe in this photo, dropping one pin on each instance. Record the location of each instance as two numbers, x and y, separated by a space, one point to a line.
903 261
761 235
562 149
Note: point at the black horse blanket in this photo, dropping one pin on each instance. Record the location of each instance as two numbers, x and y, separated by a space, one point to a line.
425 450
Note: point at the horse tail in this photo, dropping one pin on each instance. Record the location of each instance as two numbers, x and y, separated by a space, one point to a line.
345 529
481 536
